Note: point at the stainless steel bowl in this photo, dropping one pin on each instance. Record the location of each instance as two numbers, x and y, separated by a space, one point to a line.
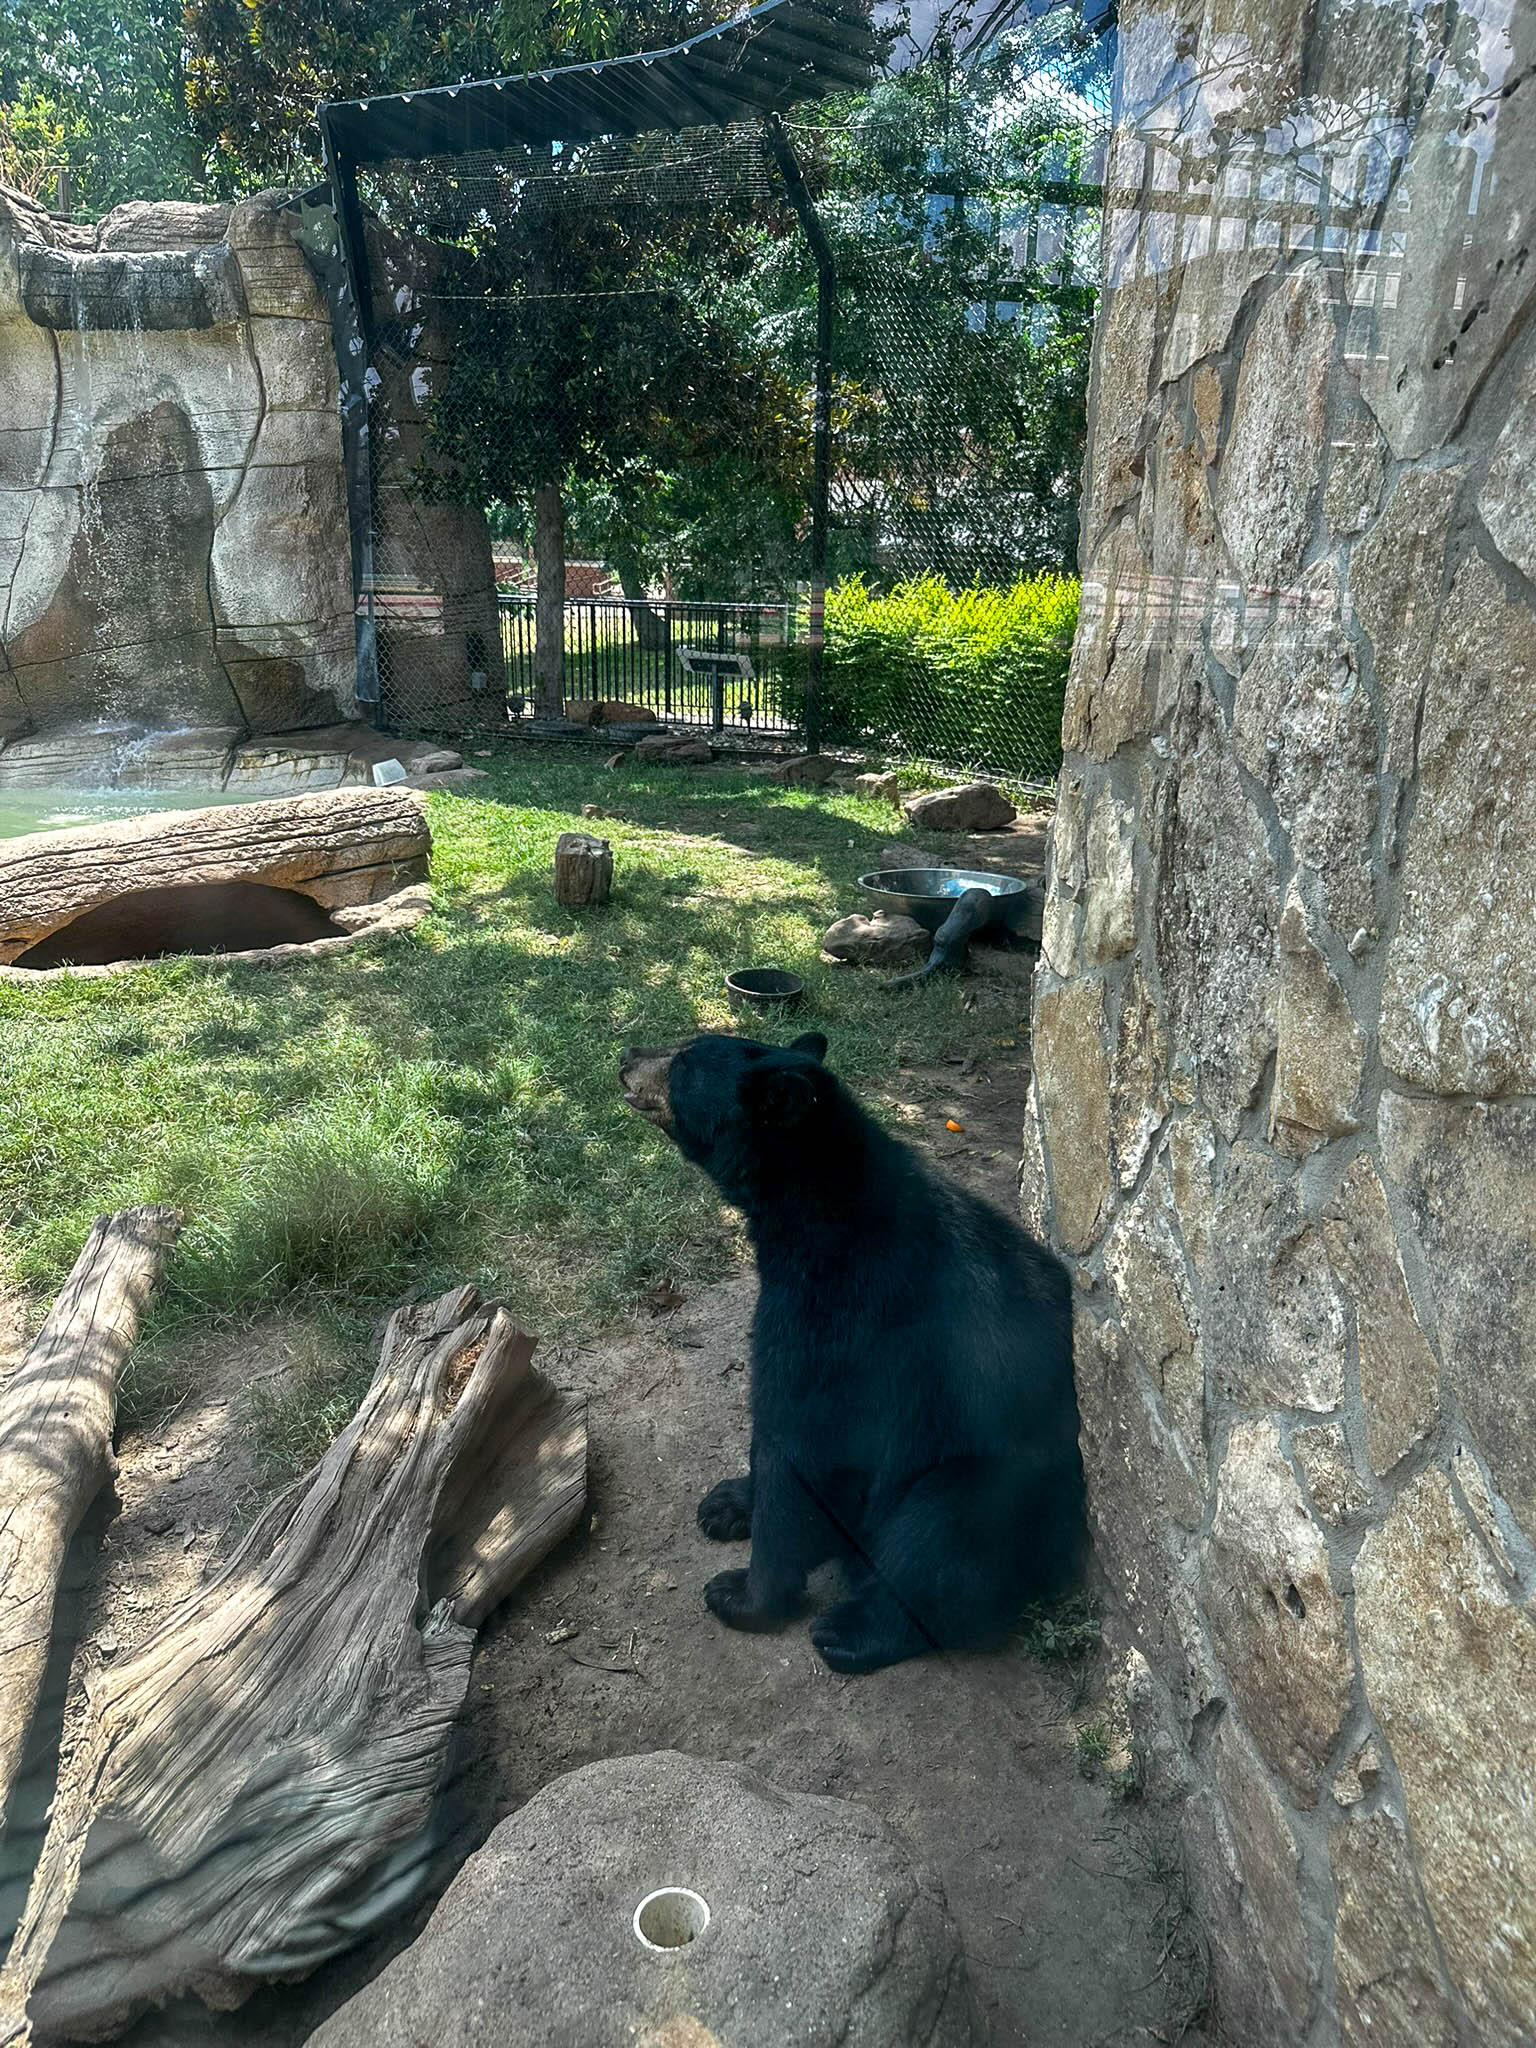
930 894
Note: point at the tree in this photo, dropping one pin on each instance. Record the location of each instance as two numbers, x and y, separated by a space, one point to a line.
561 373
965 313
598 352
257 69
962 345
91 103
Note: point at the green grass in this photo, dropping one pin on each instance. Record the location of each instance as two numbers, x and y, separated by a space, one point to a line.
1093 1747
292 1414
1064 1631
357 1129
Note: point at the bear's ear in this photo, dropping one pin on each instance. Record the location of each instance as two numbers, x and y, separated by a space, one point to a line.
781 1096
812 1044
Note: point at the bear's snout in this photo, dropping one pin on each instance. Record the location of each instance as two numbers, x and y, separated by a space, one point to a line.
643 1078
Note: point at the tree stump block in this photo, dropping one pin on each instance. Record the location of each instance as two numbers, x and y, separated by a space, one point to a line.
251 1790
583 869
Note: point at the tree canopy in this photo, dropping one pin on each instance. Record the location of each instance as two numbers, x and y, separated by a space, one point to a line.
94 89
653 363
257 69
961 211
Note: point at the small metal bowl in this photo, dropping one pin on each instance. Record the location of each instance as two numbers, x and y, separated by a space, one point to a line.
763 988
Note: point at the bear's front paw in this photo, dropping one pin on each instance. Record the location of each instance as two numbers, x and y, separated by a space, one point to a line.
725 1512
728 1599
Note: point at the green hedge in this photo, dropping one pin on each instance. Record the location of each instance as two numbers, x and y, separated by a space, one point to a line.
973 678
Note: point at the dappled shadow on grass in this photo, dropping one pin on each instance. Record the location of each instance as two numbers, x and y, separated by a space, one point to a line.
353 1129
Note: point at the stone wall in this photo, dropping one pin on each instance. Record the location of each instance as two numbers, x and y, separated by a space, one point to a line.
174 548
1284 1121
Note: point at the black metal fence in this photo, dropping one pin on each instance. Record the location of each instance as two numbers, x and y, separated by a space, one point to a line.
717 666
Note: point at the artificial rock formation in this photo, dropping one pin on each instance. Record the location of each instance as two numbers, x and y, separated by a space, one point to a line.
174 550
435 611
333 854
1284 1120
821 1929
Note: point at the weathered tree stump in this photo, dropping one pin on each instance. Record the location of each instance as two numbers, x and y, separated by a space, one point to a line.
57 1414
252 1789
340 849
583 869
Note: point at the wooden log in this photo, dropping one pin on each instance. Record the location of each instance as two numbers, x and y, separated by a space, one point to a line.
341 848
583 869
252 1789
57 1414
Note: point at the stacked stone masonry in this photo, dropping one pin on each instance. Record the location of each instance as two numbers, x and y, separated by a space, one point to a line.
1284 1118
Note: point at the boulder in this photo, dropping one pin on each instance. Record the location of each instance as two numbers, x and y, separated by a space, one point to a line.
820 1928
456 781
806 768
969 807
607 711
671 746
879 788
883 940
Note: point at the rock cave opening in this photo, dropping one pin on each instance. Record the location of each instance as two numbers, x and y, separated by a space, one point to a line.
198 918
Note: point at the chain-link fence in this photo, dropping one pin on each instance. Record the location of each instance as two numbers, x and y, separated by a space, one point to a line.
606 355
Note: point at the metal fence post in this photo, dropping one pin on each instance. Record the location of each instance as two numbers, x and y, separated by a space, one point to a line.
821 475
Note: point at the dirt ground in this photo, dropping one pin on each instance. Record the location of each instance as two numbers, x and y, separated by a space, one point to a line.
1067 1910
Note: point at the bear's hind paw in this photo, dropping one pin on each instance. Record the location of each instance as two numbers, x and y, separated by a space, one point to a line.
850 1639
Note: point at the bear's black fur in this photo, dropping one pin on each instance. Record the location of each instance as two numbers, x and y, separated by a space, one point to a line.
913 1412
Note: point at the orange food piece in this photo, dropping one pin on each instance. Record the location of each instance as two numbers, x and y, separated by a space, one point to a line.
951 1125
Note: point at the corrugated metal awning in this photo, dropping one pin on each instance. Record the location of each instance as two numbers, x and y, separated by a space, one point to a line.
766 59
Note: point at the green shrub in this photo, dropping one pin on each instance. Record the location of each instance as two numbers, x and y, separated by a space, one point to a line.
973 677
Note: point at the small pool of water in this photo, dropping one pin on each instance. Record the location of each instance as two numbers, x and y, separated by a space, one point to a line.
52 810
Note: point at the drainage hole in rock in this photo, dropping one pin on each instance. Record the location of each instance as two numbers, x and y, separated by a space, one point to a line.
670 1918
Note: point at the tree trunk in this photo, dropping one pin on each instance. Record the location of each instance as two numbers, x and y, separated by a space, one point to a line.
251 1790
583 869
341 849
549 604
57 1414
652 628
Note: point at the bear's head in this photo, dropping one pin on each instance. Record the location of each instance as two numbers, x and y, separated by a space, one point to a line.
730 1105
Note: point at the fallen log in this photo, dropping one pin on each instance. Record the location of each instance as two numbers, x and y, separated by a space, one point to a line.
339 849
57 1414
252 1790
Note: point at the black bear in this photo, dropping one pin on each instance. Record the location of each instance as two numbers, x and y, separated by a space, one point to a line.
913 1412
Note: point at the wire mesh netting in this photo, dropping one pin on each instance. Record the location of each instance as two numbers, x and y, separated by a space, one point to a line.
592 386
